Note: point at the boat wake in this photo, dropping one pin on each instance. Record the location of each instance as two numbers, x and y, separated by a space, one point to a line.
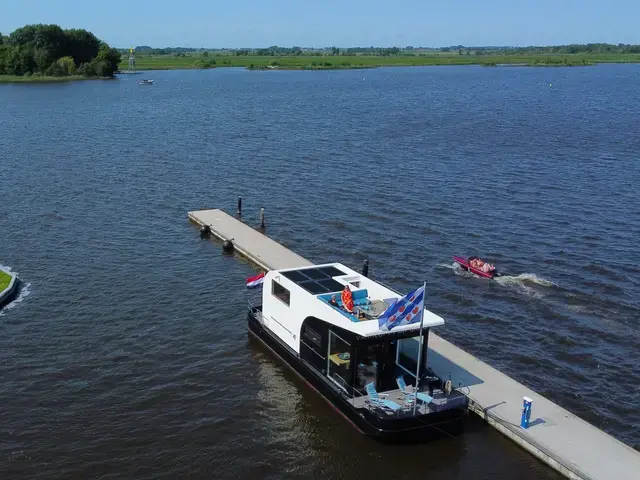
527 283
525 278
24 290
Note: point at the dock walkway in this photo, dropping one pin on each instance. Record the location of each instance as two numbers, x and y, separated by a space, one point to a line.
567 443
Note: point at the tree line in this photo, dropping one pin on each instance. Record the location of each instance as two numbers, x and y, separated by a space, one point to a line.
274 50
49 50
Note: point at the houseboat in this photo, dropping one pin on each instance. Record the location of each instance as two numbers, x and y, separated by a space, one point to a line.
337 330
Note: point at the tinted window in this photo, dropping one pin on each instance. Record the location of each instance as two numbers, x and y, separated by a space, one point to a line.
280 292
313 338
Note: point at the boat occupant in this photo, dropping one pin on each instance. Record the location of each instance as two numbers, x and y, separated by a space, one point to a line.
333 301
480 265
347 299
487 267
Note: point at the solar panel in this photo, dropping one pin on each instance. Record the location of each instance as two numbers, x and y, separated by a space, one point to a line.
313 287
315 273
316 280
331 271
331 285
295 276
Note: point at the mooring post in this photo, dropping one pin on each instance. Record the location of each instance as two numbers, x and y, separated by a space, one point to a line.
239 206
262 217
365 268
526 412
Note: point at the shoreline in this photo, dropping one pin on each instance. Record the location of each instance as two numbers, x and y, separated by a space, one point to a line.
266 63
7 79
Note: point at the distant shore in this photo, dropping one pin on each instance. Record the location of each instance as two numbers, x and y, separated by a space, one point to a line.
41 79
329 62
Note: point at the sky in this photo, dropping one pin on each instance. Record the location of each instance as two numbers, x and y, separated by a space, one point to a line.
343 23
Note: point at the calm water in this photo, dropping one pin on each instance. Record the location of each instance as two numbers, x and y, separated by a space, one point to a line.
127 354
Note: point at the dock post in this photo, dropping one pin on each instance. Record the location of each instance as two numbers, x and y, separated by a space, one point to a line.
262 218
365 268
526 412
239 206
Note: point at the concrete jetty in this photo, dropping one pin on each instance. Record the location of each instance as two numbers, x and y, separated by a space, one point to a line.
565 442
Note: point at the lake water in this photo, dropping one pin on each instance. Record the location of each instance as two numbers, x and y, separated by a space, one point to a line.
126 353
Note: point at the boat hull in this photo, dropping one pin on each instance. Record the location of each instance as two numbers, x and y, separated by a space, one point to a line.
423 428
465 264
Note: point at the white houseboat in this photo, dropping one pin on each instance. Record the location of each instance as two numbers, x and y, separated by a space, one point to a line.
364 369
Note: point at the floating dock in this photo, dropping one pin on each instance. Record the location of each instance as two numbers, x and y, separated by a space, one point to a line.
565 442
7 293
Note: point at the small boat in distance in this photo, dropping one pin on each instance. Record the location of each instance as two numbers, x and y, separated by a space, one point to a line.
356 343
470 263
145 82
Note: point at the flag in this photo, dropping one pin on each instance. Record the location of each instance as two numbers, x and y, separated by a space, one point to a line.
408 309
253 282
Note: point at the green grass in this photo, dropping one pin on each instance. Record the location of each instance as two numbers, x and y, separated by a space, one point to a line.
39 79
302 62
5 279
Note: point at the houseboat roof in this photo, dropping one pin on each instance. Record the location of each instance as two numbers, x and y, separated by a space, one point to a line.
321 282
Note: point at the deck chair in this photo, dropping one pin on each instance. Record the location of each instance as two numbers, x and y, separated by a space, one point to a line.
403 388
377 401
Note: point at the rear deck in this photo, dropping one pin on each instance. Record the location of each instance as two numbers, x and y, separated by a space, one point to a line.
440 402
567 443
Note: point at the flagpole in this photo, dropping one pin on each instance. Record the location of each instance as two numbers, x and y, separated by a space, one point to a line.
415 398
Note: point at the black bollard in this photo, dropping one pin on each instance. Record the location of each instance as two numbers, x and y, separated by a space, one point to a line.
227 246
262 217
239 206
205 231
365 268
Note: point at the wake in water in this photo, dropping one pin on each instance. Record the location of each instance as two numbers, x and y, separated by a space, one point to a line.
525 283
524 278
24 290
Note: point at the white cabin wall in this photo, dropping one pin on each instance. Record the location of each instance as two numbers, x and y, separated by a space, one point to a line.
281 319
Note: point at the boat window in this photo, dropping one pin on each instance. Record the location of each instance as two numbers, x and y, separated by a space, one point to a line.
367 368
280 292
407 355
313 338
339 363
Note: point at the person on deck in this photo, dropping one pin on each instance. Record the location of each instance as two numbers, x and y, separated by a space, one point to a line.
333 301
347 299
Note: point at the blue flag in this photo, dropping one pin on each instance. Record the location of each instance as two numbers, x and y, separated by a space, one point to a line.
408 309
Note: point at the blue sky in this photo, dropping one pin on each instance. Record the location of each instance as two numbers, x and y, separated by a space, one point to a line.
260 23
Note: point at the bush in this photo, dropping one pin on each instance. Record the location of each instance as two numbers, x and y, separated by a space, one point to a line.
102 68
68 65
87 69
55 70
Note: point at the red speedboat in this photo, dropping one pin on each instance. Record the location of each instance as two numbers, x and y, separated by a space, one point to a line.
466 264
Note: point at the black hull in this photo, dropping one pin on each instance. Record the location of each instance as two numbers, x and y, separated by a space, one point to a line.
423 428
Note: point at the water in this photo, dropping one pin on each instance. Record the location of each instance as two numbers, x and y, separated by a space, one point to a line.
127 353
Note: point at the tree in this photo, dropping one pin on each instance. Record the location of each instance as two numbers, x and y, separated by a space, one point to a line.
107 61
205 54
23 35
83 46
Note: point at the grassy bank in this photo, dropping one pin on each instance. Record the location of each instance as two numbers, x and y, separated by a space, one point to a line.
302 62
5 279
39 79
